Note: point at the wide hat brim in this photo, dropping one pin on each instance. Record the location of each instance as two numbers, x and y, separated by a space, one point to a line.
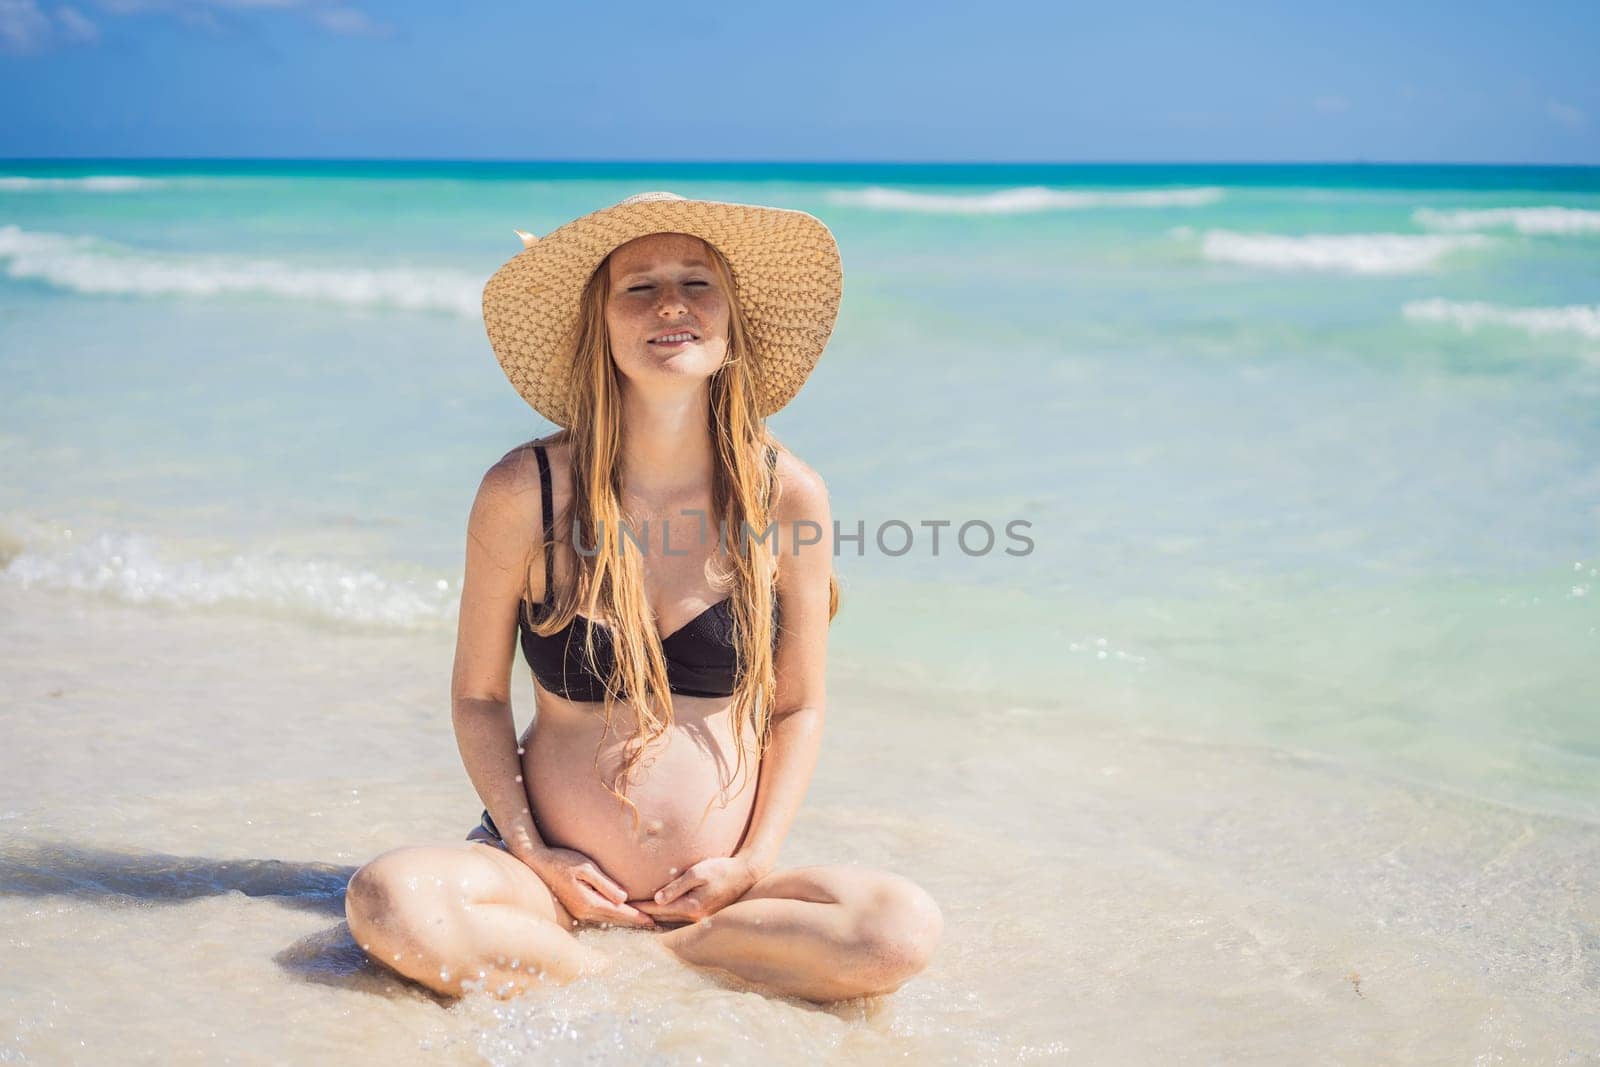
786 272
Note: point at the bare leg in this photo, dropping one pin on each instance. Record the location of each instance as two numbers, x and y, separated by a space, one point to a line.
821 933
448 915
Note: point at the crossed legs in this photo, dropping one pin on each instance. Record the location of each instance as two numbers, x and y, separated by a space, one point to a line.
470 913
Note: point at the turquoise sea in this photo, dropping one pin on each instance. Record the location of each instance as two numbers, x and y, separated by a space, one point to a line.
1280 742
1308 455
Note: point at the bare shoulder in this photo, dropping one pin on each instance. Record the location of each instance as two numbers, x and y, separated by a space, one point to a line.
509 481
507 511
804 547
802 494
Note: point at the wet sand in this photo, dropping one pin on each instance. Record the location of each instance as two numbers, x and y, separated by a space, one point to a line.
184 793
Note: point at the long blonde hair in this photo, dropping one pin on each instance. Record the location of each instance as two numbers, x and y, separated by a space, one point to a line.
610 580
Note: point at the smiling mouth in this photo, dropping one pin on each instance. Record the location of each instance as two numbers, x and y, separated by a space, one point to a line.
671 339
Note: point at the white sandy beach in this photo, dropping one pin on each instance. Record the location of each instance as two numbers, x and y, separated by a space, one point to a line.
185 793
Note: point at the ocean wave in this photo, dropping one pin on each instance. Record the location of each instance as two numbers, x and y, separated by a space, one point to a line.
1529 220
1020 201
94 183
1581 319
1349 253
87 265
132 568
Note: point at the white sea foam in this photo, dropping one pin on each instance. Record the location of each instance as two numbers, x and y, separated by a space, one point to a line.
1530 220
133 568
1349 253
1021 201
1581 319
93 183
87 265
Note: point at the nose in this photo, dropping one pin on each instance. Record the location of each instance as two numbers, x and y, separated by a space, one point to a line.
671 302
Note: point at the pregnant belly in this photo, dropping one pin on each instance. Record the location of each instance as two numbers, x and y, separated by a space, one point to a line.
691 804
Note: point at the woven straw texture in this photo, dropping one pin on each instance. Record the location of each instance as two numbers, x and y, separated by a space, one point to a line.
787 277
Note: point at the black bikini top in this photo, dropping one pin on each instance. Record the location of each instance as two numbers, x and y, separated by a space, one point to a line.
701 655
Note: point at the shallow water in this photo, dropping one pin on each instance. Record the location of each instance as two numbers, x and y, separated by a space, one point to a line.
1283 736
171 887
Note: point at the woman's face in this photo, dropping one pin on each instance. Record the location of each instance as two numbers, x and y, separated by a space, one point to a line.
664 287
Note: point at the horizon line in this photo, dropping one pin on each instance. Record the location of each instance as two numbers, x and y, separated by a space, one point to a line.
1359 162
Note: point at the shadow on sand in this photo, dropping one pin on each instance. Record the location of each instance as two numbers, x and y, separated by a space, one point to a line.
108 876
112 877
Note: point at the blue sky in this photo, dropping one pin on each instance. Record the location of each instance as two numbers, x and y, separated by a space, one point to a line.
1140 80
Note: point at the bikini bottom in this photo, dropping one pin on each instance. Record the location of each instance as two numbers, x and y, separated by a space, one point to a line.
487 832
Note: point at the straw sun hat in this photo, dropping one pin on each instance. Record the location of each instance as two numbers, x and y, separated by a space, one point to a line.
786 274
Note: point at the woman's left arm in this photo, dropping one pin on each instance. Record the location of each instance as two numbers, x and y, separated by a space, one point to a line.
804 573
805 565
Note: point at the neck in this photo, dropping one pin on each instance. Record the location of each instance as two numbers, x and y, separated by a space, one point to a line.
666 447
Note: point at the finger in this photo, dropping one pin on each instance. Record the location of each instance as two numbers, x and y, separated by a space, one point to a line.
604 885
626 915
668 915
619 912
677 887
686 908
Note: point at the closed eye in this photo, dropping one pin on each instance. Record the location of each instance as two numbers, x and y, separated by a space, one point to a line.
642 286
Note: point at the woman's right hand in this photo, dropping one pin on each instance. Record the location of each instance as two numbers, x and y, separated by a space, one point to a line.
587 892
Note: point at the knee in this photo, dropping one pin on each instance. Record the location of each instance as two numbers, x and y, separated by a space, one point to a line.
382 897
897 930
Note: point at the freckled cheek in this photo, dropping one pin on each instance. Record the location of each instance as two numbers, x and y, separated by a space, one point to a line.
635 324
714 313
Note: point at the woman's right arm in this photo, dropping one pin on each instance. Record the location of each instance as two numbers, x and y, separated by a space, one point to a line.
505 521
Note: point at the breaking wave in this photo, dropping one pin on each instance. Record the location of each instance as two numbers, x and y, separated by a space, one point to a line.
1581 319
1352 253
1022 200
94 183
88 265
133 568
1529 220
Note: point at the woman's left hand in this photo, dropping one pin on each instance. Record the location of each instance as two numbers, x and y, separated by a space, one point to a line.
703 889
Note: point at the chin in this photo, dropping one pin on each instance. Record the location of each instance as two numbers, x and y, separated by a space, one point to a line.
692 363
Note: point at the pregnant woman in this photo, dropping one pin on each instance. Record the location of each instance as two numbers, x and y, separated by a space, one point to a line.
667 567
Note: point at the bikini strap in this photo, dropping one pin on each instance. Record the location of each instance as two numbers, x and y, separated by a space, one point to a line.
547 505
